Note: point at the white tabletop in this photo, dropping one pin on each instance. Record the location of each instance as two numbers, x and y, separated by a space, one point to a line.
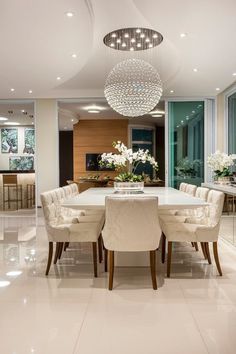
168 198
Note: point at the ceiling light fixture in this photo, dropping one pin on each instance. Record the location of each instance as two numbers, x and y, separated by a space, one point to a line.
133 88
58 78
94 107
183 35
171 91
217 89
195 70
156 115
69 14
11 123
30 91
74 56
93 111
157 111
234 74
123 35
12 89
3 119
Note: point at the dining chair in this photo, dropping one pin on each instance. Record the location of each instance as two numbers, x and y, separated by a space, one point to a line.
131 225
66 229
199 229
183 186
191 189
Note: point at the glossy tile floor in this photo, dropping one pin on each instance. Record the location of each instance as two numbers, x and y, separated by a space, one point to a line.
71 312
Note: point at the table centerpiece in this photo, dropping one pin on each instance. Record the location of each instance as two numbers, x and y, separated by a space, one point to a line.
220 164
126 163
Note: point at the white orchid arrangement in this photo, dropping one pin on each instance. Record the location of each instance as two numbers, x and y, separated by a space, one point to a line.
220 163
127 157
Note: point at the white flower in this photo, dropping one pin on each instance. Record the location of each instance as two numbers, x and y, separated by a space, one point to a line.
219 161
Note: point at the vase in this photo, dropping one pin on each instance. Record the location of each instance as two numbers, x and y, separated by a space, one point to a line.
129 187
223 180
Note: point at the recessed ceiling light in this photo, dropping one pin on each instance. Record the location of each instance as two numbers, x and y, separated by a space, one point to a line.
156 115
58 78
69 14
4 283
22 110
11 123
14 273
72 120
177 126
193 112
217 89
195 70
157 111
30 91
3 118
12 89
171 91
182 35
74 56
234 74
93 111
32 123
182 121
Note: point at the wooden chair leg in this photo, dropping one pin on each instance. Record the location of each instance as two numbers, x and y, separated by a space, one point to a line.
66 245
192 243
203 250
163 248
111 269
57 252
169 258
105 259
196 246
208 252
216 256
95 268
100 249
50 253
60 250
153 269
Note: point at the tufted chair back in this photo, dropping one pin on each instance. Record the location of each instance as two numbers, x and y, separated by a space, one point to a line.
183 186
216 201
132 224
202 193
191 189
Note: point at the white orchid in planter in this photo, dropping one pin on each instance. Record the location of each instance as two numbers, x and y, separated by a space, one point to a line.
220 163
126 158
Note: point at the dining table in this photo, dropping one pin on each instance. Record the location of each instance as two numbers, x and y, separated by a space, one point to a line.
168 198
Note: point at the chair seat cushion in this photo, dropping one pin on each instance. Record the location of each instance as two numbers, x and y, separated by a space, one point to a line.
84 232
171 219
166 212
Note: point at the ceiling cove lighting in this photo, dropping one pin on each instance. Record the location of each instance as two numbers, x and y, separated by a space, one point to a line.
145 38
3 119
156 115
11 123
157 111
94 107
93 111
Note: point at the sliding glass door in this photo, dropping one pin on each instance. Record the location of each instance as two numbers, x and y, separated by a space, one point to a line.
186 142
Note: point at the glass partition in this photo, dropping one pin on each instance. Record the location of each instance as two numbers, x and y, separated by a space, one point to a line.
186 142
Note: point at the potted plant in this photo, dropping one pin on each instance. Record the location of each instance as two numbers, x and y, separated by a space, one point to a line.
128 160
220 164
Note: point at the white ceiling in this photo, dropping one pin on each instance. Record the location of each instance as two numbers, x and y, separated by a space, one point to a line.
14 113
37 40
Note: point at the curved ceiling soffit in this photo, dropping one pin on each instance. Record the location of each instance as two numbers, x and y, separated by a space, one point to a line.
169 55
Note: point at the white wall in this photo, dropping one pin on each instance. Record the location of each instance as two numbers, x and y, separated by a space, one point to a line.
47 146
4 157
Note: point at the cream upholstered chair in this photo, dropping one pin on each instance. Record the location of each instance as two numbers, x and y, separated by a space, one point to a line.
61 229
204 229
131 225
191 189
169 212
183 186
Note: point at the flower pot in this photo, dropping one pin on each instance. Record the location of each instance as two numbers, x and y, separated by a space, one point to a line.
223 180
128 187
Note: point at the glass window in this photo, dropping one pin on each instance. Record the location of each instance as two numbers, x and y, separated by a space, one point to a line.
232 124
186 142
142 138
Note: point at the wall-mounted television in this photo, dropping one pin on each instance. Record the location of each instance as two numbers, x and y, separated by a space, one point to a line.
92 163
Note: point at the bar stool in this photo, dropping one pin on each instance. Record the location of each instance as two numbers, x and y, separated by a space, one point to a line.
10 184
30 195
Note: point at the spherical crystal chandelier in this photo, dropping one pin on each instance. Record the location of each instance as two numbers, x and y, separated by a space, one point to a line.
133 87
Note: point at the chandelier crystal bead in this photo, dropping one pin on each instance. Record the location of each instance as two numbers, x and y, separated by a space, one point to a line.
133 88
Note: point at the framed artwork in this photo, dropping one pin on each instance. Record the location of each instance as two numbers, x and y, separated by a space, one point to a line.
9 140
23 163
29 147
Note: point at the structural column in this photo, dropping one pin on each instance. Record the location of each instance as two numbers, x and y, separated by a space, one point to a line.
47 146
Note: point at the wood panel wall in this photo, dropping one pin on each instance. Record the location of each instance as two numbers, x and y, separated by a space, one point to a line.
96 136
